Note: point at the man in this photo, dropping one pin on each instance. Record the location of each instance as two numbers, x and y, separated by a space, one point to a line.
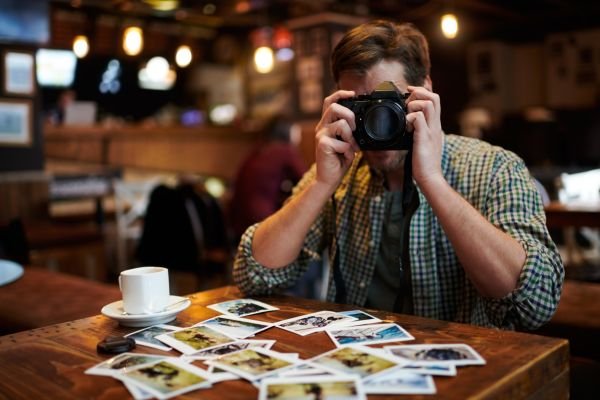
468 244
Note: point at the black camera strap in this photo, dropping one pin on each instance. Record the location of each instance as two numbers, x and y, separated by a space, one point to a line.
410 202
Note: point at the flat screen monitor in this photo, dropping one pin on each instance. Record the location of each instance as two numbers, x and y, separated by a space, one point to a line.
55 68
24 21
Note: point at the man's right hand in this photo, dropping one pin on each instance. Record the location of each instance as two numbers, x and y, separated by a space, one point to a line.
335 145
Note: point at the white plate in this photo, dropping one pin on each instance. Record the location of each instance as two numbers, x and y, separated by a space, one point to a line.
9 271
115 311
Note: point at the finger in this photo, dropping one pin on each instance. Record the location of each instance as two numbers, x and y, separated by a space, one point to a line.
416 121
421 93
339 130
335 97
336 112
426 107
329 145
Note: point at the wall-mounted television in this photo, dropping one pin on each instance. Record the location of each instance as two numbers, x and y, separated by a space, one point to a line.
55 68
24 21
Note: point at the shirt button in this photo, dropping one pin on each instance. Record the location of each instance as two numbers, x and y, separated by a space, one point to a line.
377 199
361 284
371 243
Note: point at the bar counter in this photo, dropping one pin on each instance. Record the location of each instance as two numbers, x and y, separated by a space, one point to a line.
209 151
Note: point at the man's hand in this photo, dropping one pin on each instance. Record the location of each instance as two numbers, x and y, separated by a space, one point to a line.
424 112
335 145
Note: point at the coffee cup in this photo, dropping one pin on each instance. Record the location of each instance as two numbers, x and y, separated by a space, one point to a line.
145 290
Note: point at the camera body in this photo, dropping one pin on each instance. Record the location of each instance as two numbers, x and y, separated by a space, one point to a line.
380 119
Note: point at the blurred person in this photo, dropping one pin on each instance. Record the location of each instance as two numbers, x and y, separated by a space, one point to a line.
56 115
451 229
266 177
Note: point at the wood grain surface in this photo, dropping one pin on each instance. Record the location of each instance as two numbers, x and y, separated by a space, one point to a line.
50 362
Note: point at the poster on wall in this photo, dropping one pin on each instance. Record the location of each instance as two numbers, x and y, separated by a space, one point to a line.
15 122
19 77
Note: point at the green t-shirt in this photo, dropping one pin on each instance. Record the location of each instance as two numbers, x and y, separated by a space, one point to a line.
389 276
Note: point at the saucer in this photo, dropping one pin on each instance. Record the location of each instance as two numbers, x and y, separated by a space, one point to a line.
115 311
9 271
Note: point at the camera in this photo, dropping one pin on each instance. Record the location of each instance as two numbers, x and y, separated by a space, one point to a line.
380 119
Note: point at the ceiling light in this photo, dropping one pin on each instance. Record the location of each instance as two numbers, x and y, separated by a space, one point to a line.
449 26
183 56
81 46
163 5
263 59
133 41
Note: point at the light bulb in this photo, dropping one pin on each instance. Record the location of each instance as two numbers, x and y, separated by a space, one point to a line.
133 41
183 56
263 59
449 26
81 46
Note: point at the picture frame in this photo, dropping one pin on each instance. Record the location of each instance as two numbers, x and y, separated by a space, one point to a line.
19 73
16 122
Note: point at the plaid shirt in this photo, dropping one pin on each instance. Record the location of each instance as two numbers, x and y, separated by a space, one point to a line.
495 181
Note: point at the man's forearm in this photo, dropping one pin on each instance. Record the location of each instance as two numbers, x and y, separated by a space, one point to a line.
492 259
279 239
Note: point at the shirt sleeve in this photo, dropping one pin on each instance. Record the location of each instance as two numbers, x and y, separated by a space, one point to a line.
515 206
252 278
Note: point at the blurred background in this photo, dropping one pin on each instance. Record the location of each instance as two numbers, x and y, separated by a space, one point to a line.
124 124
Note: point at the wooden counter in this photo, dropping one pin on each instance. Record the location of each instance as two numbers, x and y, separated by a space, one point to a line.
211 151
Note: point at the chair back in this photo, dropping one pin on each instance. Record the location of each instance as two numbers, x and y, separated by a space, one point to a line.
131 200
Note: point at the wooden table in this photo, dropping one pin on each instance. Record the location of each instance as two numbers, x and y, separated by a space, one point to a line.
560 215
42 297
49 362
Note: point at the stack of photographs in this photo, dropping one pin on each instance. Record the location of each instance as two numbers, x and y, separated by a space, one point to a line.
350 371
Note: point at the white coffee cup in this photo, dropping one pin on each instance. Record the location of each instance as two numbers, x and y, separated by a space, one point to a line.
145 290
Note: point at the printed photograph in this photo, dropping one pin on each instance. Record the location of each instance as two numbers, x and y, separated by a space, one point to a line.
236 327
167 378
304 370
147 336
137 392
123 360
242 307
253 364
310 323
230 348
330 388
400 383
432 369
220 375
368 334
439 354
194 339
361 318
356 360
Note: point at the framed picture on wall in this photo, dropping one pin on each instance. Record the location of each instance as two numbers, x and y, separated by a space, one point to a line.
19 73
15 122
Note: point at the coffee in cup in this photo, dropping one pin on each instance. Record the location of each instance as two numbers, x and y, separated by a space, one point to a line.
145 290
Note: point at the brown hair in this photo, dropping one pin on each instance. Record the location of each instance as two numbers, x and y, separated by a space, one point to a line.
369 43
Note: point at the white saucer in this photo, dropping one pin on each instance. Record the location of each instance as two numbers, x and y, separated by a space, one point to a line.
9 271
115 311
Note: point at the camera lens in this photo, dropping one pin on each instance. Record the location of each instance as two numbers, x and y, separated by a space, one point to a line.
384 122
